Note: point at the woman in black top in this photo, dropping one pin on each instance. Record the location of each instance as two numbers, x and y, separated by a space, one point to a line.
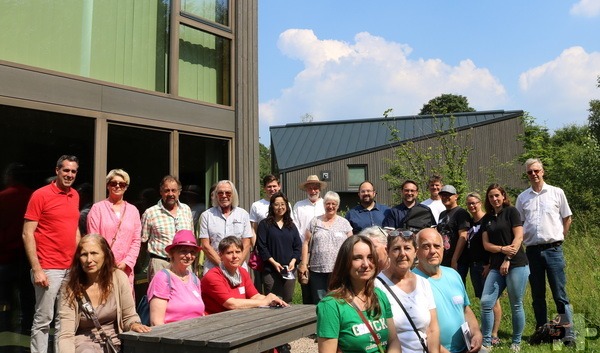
280 247
502 237
479 258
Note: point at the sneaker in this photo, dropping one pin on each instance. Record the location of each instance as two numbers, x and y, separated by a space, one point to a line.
515 347
485 349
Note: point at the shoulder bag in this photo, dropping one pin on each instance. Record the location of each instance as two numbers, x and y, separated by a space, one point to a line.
366 322
88 309
405 313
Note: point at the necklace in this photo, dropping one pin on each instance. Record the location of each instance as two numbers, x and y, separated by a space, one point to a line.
359 298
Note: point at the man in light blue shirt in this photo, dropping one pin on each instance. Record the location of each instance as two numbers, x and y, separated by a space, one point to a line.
451 300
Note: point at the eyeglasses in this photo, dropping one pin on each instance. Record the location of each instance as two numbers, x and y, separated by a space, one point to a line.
120 184
473 203
534 171
224 193
174 191
406 234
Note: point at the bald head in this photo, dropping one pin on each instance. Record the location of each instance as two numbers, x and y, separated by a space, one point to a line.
430 250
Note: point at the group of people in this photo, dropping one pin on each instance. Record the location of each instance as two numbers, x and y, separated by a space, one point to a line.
415 281
380 277
84 282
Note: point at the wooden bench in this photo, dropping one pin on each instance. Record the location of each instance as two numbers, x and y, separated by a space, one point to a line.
246 330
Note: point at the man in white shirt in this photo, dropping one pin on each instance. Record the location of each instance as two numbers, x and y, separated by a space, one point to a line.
304 212
434 202
546 220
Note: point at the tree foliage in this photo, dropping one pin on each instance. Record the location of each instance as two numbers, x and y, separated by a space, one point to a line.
446 104
418 161
571 158
594 117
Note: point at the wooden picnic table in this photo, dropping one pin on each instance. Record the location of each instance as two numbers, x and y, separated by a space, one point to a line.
244 330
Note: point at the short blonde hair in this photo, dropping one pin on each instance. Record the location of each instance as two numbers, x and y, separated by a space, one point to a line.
118 172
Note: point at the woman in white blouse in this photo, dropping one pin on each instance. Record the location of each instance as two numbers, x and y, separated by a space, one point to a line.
413 291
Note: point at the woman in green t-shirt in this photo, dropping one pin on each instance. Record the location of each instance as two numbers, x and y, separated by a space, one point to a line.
352 295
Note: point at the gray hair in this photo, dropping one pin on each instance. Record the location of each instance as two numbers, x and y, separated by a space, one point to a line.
235 200
531 161
375 233
332 196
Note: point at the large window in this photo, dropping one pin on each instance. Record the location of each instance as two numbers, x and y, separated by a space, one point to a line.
123 42
204 66
144 154
32 142
127 43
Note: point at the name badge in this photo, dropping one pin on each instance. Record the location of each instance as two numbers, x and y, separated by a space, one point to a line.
196 293
242 290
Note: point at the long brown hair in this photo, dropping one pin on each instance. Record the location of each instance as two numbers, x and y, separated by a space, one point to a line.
340 285
77 281
488 205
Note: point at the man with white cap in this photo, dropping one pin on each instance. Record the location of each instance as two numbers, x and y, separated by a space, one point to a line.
304 212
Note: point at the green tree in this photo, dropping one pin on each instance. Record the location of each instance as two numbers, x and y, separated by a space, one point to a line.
264 160
416 161
594 117
446 104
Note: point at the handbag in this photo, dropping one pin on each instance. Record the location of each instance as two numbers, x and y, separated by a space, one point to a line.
255 262
366 322
88 309
425 349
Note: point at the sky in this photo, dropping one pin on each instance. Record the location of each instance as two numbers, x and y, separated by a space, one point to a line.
340 60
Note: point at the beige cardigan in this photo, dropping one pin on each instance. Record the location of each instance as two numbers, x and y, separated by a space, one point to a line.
69 316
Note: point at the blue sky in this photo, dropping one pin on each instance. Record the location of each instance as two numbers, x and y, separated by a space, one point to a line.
338 60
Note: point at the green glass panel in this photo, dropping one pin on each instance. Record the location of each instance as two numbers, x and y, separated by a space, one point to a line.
204 66
356 175
122 42
213 10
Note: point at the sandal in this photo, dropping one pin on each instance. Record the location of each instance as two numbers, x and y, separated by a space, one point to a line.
495 341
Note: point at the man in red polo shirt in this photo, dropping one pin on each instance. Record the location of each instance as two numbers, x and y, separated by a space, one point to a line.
50 235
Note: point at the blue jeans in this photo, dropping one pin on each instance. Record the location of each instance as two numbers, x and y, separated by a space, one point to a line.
46 300
515 282
550 263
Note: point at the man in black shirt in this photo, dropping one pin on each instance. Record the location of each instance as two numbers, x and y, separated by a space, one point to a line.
453 226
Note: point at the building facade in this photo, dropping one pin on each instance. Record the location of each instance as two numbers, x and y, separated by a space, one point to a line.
154 87
345 153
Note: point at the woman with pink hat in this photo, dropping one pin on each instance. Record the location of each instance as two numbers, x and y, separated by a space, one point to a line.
174 293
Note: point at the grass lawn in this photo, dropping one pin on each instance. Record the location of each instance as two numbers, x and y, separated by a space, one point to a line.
582 252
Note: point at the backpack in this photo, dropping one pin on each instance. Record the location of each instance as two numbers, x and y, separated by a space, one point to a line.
418 217
143 308
548 332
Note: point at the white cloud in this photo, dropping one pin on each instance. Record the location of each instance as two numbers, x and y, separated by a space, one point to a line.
362 79
586 8
562 88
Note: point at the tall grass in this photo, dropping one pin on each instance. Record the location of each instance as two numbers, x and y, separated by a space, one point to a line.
582 254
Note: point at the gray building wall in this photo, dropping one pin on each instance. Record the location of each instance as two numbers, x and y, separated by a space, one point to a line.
495 149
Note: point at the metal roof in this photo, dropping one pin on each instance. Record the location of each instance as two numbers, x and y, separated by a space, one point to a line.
298 145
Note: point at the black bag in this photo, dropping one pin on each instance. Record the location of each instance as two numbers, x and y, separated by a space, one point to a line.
548 332
418 217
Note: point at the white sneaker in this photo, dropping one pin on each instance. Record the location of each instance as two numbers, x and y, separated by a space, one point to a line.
516 348
485 349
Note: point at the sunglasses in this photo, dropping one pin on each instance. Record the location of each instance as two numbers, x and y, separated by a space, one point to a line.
224 193
406 234
120 184
534 171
